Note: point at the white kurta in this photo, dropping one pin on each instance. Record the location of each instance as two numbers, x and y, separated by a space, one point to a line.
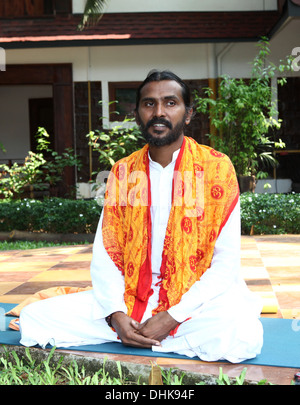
224 314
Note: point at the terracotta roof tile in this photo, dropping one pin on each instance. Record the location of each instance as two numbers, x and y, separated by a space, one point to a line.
142 27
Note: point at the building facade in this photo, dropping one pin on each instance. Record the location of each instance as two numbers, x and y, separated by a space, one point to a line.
54 75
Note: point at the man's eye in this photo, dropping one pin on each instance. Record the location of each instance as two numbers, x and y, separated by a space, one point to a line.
171 103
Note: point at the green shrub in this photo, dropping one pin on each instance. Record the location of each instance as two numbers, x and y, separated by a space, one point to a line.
264 213
56 215
116 143
270 213
38 170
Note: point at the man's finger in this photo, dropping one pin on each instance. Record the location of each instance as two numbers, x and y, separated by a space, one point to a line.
138 340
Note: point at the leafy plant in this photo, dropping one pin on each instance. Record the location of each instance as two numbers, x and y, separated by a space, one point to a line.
27 371
54 166
14 179
2 148
55 215
170 378
93 11
243 114
261 213
116 143
25 245
267 214
38 169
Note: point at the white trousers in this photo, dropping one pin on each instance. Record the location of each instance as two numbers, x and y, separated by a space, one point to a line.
222 329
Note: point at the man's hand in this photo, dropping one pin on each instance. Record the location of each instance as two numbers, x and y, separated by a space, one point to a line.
128 333
158 327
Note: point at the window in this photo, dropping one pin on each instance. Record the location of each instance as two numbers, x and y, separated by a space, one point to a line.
34 8
122 96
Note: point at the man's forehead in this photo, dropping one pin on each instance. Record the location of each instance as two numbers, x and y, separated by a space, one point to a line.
162 89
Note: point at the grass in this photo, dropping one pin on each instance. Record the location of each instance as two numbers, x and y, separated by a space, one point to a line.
27 371
25 245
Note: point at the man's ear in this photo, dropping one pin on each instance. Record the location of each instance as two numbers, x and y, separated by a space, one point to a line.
189 116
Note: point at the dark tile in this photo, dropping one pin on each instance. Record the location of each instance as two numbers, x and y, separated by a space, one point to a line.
80 265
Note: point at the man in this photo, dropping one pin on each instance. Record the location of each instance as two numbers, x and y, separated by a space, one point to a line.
166 262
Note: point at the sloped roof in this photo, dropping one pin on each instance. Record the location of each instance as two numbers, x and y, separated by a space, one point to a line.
135 28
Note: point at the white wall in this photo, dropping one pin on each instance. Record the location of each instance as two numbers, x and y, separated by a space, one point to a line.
234 58
132 63
14 118
77 56
122 6
120 63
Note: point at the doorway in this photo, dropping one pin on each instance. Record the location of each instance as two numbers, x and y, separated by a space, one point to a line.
60 77
41 115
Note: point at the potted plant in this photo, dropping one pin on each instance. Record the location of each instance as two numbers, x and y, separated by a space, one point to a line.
243 117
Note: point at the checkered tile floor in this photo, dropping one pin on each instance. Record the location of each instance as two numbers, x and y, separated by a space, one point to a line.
270 267
22 273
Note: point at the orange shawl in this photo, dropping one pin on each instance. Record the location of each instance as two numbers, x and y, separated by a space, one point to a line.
205 191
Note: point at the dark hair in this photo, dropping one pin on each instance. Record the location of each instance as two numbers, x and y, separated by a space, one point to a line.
156 76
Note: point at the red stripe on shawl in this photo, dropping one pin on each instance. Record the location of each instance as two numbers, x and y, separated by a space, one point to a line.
231 208
145 277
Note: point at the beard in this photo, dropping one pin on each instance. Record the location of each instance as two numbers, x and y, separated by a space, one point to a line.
169 138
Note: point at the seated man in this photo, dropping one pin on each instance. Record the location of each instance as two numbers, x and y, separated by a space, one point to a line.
166 256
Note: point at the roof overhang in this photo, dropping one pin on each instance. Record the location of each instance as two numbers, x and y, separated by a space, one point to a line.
146 28
290 11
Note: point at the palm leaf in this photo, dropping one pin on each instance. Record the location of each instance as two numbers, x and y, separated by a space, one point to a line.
93 12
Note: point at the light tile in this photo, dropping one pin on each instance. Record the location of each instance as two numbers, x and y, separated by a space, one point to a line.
14 299
287 288
62 275
252 273
79 258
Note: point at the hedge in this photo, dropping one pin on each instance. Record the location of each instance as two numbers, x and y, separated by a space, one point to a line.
260 213
53 215
270 213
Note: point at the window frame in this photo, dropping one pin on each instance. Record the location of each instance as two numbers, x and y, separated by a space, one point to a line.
113 87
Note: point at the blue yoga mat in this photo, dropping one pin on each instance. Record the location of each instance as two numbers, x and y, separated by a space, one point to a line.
281 346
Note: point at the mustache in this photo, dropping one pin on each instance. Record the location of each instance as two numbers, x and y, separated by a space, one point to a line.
155 120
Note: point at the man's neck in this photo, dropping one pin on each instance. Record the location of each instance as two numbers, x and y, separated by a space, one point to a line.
164 154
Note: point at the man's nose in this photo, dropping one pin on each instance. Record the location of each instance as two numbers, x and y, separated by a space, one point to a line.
160 110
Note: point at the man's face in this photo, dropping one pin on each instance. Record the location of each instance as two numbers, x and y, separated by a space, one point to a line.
162 113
